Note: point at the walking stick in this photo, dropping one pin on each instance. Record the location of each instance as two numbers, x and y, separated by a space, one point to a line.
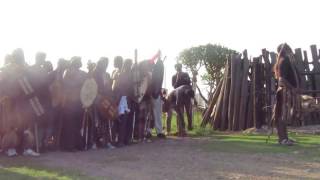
87 129
84 127
133 125
36 136
110 130
147 123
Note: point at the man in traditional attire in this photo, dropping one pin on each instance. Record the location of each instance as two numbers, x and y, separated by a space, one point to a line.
41 82
18 115
145 107
286 97
125 90
103 126
57 97
157 100
117 63
72 110
122 90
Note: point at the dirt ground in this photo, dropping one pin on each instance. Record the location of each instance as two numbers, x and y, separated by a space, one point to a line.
181 158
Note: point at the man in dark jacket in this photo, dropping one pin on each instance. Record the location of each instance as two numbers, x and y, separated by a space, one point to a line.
180 78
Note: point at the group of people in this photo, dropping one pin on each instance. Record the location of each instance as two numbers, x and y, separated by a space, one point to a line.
41 108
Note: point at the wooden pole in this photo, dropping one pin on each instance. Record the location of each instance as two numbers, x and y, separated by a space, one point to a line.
268 77
316 67
232 89
244 93
249 113
237 93
207 114
257 94
227 79
300 67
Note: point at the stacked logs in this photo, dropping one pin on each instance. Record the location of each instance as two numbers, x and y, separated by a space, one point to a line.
228 106
246 93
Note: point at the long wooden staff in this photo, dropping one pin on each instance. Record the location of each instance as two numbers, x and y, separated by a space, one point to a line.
36 136
135 86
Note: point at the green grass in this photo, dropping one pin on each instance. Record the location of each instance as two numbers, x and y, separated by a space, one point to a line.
21 169
307 147
197 130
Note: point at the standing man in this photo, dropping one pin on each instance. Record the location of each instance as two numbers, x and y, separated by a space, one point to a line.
57 97
73 112
180 78
39 80
117 63
288 84
102 125
20 116
124 88
156 100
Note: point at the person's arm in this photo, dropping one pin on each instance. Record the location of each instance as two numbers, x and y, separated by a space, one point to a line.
284 67
174 80
51 77
187 78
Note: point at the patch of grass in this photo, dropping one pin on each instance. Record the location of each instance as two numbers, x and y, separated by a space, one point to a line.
21 168
197 130
307 147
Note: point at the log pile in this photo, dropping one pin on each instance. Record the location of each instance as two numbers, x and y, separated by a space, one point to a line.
245 95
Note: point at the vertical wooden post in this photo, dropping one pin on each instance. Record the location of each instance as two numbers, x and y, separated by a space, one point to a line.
232 89
257 92
300 67
237 92
307 68
249 112
316 68
226 93
315 78
268 91
244 92
273 57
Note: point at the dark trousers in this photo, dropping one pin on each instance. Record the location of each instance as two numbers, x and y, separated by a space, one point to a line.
129 127
101 129
122 134
180 115
282 130
280 124
168 120
141 124
70 134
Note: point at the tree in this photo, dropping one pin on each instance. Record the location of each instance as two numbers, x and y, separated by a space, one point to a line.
210 57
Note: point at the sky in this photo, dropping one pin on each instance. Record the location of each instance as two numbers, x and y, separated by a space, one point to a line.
93 28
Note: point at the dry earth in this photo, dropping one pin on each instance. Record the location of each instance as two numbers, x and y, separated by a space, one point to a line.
186 158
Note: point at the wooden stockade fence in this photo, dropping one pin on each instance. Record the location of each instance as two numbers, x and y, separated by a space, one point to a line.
245 96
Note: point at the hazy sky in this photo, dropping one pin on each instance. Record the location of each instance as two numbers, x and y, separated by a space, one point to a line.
92 28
